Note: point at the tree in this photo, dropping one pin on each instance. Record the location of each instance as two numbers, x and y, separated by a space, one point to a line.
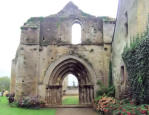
4 83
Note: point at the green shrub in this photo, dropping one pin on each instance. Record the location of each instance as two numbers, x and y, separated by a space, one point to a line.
98 98
105 91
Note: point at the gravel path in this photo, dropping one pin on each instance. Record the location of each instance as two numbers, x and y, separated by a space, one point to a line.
75 111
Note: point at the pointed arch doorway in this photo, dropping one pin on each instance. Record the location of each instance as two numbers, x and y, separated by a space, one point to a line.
64 67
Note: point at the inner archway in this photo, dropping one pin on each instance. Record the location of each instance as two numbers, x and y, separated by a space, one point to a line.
70 90
63 68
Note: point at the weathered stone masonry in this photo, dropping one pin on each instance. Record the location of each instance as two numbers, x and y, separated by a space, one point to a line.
45 55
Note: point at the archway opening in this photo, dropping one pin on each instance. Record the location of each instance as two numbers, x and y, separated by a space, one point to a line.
76 34
54 89
70 90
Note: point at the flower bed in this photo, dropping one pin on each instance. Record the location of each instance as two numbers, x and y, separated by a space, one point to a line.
27 102
111 106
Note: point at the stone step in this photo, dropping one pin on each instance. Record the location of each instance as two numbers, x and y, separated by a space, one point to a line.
70 106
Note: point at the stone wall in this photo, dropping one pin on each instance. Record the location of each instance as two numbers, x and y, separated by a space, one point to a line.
132 18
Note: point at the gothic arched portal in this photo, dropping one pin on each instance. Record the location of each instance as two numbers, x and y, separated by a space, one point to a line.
69 66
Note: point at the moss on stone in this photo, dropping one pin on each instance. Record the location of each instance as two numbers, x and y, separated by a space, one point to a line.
106 18
32 19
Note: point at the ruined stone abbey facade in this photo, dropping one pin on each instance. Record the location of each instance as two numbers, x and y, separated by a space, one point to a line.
45 55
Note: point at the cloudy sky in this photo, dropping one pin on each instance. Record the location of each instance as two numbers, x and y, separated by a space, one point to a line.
13 13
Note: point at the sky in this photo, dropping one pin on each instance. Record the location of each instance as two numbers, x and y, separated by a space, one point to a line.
14 13
76 34
72 80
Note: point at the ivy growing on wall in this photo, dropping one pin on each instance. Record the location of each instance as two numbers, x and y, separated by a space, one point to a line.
136 59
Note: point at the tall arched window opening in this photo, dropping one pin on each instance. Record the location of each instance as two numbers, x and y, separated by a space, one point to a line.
76 34
126 24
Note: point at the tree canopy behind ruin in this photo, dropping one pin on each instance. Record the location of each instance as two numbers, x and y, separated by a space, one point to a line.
4 83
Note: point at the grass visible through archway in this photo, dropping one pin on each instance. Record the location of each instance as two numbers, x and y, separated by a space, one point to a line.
70 100
5 109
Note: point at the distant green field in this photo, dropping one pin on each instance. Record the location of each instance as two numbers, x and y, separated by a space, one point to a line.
70 100
5 109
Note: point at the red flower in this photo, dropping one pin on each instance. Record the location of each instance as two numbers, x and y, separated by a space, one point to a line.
123 110
120 108
106 110
128 113
143 111
132 103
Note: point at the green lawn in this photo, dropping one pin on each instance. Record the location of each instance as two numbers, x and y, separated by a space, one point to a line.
5 109
70 100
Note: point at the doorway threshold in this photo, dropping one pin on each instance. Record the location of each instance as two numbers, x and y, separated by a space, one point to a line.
70 106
